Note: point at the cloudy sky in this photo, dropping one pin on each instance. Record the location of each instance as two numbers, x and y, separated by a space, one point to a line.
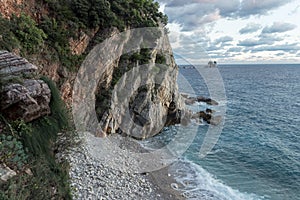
234 31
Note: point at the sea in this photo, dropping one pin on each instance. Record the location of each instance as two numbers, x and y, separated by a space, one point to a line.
257 155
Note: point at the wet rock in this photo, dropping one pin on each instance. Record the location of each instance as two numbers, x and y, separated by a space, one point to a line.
191 100
209 101
174 115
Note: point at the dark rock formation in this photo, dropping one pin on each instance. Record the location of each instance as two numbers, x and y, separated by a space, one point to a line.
191 100
209 111
202 115
26 99
209 101
174 115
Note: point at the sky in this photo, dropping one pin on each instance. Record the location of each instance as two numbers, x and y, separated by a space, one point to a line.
234 31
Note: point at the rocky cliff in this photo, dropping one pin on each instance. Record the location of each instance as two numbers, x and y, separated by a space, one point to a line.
57 36
132 96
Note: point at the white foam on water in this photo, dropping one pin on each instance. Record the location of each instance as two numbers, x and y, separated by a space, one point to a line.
196 183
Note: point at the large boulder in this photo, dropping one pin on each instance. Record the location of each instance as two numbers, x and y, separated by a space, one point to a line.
21 98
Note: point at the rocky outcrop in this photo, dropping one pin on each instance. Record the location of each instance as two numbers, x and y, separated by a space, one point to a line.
21 98
174 115
12 65
204 115
192 100
209 101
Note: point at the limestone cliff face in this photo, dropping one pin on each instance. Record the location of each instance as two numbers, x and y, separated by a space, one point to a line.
151 91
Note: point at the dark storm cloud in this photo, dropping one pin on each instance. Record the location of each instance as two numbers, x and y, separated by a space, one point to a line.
250 28
192 16
196 17
279 27
280 54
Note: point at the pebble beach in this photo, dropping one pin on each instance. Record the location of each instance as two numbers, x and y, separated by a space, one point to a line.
93 179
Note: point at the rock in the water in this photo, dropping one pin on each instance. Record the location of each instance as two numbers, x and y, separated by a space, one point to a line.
203 115
174 115
191 100
209 101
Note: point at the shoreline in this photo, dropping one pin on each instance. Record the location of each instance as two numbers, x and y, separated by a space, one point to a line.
93 179
163 180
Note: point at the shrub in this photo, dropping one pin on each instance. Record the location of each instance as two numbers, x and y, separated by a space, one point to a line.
27 32
12 152
8 40
44 130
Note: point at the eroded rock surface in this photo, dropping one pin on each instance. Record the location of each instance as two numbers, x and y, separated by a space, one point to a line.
132 97
21 98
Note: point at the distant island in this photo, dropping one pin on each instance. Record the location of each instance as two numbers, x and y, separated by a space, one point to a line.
212 64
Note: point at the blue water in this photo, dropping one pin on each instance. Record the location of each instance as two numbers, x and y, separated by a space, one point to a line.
258 153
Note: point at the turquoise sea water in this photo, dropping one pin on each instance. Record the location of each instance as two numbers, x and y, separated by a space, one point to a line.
258 153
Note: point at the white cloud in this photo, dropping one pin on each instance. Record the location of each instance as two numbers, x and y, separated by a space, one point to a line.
245 30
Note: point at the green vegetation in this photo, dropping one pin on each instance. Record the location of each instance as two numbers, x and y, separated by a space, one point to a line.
160 59
45 35
25 145
67 19
21 32
27 32
12 152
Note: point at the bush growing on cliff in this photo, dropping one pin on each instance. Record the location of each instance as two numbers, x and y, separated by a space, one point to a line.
21 32
27 32
49 179
8 40
45 130
12 152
